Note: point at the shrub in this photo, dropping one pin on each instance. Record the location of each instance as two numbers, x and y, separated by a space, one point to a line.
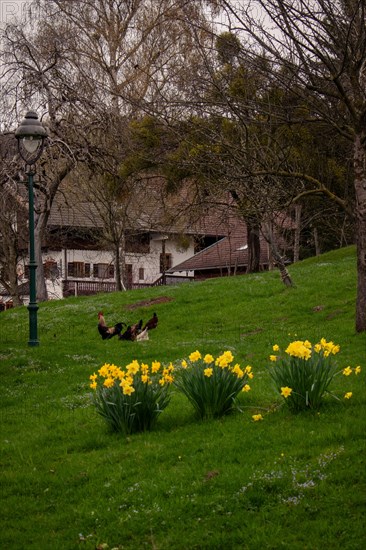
304 375
131 399
210 384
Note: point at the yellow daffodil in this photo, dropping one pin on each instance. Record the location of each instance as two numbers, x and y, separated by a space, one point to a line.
195 356
357 370
276 347
208 358
348 395
286 391
299 349
93 385
184 364
155 366
208 372
127 390
246 388
257 417
238 371
273 358
133 367
108 382
347 371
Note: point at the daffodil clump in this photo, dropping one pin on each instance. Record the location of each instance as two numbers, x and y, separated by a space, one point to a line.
212 384
130 399
304 374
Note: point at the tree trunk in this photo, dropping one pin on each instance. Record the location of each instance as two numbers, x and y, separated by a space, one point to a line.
254 247
278 260
42 295
297 232
360 189
120 266
316 242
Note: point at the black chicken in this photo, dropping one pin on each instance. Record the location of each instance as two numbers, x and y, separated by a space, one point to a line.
108 332
132 332
151 323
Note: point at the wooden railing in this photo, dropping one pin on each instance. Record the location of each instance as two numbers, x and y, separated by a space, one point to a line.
86 288
72 287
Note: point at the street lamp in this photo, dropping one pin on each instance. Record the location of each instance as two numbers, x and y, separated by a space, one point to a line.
31 136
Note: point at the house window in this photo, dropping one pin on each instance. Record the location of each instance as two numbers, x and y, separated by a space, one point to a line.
103 271
138 244
141 274
76 269
165 262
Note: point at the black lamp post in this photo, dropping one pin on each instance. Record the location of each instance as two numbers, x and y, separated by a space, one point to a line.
31 136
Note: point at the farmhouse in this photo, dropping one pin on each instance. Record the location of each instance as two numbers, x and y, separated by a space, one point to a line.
157 240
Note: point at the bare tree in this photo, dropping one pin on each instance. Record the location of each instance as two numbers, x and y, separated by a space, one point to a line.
87 67
317 51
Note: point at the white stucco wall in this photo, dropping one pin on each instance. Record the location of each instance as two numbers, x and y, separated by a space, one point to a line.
149 262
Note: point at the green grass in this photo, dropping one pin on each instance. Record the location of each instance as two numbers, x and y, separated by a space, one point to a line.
289 481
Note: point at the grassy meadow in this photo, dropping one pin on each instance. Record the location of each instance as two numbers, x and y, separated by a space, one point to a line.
286 482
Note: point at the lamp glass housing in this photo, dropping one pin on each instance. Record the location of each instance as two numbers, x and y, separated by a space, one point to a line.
31 144
31 136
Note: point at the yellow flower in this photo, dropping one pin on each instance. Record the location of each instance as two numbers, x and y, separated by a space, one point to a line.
225 359
208 359
347 371
170 367
246 388
195 356
144 368
93 385
121 374
276 348
299 349
358 369
250 375
257 417
144 378
155 366
208 372
273 357
104 370
184 364
133 367
238 371
286 391
127 390
348 395
317 348
93 377
248 369
328 347
108 382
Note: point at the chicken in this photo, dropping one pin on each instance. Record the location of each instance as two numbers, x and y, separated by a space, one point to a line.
143 335
132 331
151 323
108 332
